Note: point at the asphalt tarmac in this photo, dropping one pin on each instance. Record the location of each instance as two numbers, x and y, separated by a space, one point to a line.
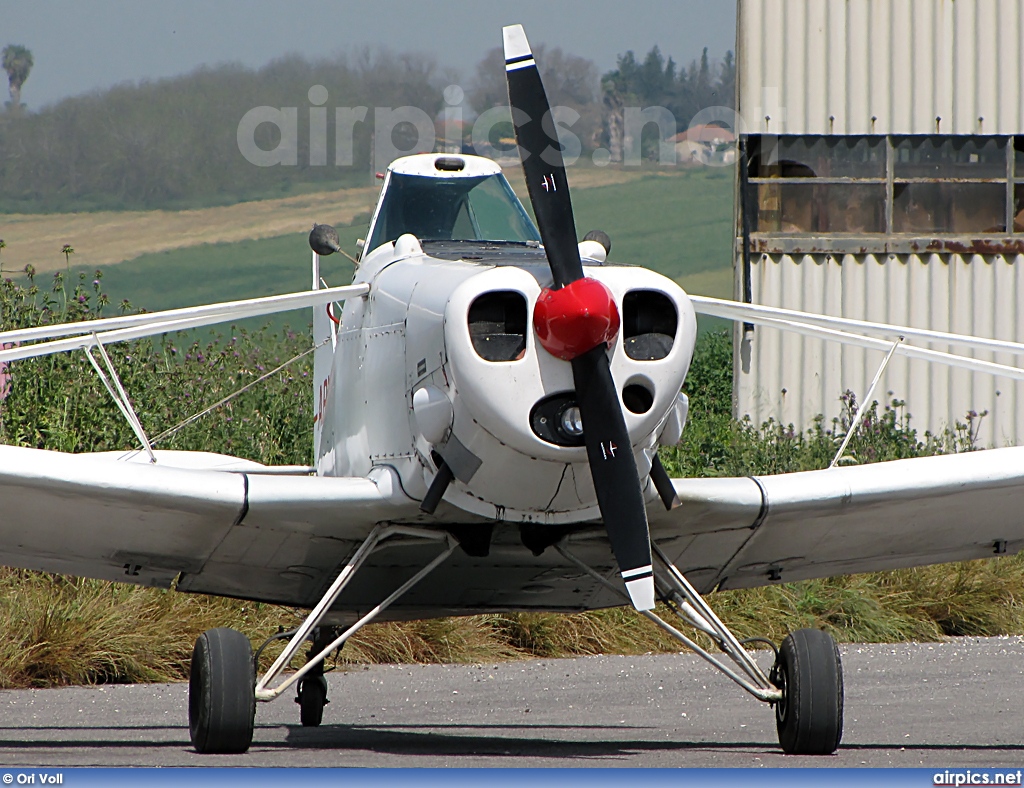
957 703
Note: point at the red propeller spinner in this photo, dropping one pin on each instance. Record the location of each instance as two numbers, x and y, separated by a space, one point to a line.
576 318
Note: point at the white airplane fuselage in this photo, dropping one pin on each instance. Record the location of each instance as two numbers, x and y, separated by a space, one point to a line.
441 359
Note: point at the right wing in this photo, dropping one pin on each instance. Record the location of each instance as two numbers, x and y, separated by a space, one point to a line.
222 526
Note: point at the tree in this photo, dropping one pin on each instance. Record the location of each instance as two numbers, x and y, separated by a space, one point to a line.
657 82
569 81
727 81
17 63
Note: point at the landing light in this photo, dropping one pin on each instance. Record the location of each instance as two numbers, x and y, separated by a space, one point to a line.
572 422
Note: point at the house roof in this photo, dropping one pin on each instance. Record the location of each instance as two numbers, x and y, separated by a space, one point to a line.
703 132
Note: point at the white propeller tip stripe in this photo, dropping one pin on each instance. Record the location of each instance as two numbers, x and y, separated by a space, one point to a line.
521 64
640 571
641 592
515 43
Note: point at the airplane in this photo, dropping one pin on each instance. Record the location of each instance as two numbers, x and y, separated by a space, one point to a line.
490 398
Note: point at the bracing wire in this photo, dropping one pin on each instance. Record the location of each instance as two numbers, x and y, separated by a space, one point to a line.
224 400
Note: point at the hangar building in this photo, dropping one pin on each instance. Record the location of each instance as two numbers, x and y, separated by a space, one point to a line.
881 178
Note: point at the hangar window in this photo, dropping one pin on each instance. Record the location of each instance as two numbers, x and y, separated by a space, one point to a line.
950 207
860 186
949 157
815 184
1017 211
818 156
949 184
497 325
821 207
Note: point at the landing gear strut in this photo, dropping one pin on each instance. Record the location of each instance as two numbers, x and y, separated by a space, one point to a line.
312 694
223 689
805 685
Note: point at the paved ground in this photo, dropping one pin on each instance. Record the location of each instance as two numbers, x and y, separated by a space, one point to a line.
951 704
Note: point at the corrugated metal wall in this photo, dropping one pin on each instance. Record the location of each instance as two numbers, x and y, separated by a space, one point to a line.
794 378
884 67
881 66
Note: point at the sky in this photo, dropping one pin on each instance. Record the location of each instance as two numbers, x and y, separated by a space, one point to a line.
84 45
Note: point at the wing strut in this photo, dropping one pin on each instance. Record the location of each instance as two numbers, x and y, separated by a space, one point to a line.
864 404
119 395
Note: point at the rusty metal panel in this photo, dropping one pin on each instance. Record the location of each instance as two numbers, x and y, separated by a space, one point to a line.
881 66
793 379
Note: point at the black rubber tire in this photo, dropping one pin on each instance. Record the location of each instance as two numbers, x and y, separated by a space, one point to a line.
221 692
312 699
809 718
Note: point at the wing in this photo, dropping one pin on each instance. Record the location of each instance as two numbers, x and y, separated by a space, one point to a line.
220 525
743 532
214 524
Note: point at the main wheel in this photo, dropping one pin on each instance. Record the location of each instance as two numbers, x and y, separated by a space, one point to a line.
221 692
312 699
809 718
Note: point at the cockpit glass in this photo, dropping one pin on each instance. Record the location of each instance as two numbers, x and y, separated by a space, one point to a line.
482 208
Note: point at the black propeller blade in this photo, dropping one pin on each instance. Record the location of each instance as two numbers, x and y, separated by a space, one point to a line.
576 321
542 158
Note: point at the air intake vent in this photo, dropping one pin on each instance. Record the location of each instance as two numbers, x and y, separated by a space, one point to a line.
497 325
649 322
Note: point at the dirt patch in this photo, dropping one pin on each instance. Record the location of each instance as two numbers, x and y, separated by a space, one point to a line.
110 237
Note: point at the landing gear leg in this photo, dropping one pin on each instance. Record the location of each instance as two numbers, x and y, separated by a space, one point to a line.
221 700
805 686
809 717
266 690
312 694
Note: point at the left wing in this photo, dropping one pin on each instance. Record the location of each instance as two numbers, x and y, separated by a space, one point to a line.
743 532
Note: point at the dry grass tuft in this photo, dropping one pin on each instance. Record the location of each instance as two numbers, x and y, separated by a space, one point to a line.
59 631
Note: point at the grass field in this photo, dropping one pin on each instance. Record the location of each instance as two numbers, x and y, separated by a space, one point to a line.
226 271
106 238
677 223
103 238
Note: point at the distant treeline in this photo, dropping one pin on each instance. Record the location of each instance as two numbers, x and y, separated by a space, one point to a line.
173 143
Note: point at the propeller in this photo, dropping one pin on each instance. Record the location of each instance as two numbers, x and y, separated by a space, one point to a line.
576 320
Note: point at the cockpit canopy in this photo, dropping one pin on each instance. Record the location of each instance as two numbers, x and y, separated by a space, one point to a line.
449 198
